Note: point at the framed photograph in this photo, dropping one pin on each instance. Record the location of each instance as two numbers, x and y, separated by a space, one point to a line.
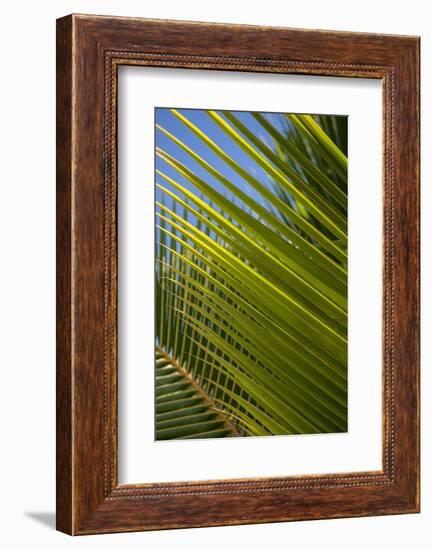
237 274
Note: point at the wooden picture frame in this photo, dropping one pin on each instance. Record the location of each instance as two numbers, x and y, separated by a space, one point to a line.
89 51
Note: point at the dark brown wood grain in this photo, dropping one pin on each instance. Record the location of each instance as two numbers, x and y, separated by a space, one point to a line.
64 286
89 51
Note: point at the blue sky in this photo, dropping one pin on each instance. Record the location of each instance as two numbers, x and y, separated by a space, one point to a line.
199 117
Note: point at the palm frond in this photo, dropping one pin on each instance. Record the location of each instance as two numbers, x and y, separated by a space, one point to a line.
251 280
183 410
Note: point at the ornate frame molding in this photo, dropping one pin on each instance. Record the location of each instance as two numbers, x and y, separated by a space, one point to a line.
90 49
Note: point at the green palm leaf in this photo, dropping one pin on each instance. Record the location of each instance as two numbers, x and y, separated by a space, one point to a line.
183 410
251 287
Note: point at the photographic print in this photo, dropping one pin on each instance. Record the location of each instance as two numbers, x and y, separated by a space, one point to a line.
251 260
237 274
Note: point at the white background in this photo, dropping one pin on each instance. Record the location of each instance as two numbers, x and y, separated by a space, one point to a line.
27 125
143 460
